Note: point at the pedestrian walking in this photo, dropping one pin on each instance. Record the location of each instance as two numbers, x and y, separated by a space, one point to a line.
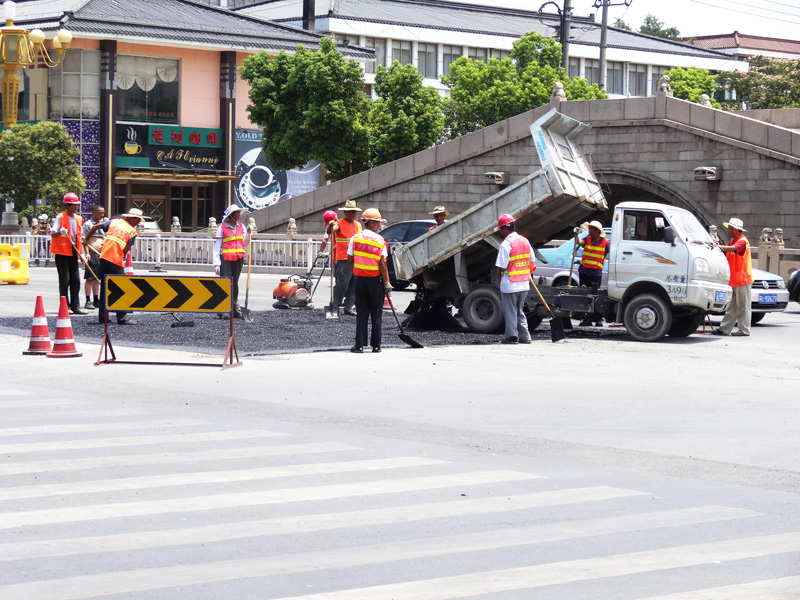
230 249
65 245
514 268
741 280
343 231
366 254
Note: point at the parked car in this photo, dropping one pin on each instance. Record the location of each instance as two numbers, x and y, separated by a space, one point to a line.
402 233
556 271
150 225
794 286
768 294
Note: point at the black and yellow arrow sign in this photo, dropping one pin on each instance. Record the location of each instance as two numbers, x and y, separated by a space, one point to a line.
168 294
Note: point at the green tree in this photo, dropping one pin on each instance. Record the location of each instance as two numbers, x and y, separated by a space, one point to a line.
406 117
652 26
485 93
311 106
770 83
620 24
690 83
37 160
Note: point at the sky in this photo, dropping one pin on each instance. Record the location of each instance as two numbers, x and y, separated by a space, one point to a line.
769 18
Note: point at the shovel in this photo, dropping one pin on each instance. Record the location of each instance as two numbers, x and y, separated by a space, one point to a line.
85 262
331 313
402 335
556 325
246 314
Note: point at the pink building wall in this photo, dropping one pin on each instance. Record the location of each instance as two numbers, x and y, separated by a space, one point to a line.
242 98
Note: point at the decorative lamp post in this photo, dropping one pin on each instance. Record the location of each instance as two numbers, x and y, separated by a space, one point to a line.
20 48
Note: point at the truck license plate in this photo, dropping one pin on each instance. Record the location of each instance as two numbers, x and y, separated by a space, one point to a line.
768 298
721 296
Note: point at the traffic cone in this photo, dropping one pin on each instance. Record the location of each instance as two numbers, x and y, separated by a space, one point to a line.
386 305
64 343
40 333
128 265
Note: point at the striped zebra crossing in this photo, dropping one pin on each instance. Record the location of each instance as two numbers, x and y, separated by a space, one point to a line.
142 513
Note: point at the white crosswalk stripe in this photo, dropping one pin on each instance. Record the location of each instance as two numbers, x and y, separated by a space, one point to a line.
74 428
785 587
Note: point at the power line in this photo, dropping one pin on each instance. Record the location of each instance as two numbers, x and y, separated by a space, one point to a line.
777 12
742 12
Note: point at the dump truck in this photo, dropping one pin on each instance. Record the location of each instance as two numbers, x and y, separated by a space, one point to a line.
657 286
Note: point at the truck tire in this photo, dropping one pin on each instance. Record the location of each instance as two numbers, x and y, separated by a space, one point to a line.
647 318
483 310
685 325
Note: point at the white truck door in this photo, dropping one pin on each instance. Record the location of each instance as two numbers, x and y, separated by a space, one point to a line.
640 253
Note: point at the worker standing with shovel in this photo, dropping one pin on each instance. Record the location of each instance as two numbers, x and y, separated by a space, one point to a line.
229 251
514 267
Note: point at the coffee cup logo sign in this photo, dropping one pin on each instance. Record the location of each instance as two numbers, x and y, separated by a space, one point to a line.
131 146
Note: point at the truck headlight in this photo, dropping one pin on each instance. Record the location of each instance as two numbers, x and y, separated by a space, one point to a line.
701 266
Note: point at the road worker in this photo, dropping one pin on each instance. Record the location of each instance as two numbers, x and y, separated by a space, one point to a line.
92 247
514 267
343 231
328 219
741 280
65 245
366 255
595 253
439 213
229 251
120 237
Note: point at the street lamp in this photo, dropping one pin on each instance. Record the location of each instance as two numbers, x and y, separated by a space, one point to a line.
20 48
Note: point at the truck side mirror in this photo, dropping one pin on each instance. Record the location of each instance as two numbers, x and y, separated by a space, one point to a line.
669 235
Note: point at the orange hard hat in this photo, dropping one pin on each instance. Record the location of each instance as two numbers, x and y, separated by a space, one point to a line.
505 220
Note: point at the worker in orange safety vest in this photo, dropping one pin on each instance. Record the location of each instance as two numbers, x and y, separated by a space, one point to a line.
343 231
514 267
595 252
65 245
738 254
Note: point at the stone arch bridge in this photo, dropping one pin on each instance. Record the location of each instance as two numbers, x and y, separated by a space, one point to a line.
641 148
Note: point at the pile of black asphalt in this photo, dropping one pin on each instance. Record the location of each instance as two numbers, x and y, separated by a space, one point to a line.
270 332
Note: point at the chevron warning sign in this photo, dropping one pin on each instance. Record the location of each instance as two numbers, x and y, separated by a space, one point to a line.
168 294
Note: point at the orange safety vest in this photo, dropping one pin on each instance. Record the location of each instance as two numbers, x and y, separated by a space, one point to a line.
119 233
741 266
343 235
520 265
61 244
367 254
232 242
594 256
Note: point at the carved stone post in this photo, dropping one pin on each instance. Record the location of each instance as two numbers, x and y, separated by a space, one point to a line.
764 247
775 252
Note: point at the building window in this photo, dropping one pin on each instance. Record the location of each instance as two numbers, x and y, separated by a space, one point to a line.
500 54
449 56
75 86
401 52
480 54
426 60
343 39
637 80
147 88
593 72
658 72
615 78
380 53
574 67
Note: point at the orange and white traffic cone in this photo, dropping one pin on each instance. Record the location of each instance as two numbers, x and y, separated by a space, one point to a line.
40 332
64 342
128 265
386 305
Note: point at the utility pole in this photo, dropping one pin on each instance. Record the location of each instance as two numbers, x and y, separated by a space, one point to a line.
603 35
566 18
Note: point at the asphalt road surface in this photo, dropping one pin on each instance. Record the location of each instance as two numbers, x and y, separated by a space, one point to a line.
595 468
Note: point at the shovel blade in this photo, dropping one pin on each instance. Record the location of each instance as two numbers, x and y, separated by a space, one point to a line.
409 341
247 315
557 330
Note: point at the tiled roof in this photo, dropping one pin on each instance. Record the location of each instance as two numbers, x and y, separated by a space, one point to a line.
747 42
483 19
179 21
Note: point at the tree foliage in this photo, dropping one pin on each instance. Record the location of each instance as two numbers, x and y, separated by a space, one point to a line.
311 106
652 26
620 24
689 84
770 83
406 117
37 160
485 93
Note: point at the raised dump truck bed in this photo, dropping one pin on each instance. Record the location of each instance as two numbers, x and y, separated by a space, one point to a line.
458 256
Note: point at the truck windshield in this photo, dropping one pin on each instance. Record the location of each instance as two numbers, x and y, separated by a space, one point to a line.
690 228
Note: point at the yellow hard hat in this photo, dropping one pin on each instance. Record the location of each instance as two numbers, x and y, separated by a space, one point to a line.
372 214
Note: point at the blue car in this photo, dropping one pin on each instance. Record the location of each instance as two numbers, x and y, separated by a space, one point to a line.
556 271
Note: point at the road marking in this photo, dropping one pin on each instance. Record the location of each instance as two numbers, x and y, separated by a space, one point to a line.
460 586
137 440
206 477
161 457
765 590
40 402
376 487
308 523
76 414
119 426
14 393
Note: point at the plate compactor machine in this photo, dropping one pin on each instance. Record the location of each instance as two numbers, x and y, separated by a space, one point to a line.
297 291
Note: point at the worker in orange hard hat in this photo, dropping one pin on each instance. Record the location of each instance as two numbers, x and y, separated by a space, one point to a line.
367 254
65 245
514 267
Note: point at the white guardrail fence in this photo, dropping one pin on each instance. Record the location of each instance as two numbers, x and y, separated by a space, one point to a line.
167 250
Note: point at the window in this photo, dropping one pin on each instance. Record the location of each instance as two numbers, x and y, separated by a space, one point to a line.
480 54
637 80
644 226
449 56
656 78
343 39
426 60
615 78
380 53
593 72
75 86
401 52
574 67
147 88
500 54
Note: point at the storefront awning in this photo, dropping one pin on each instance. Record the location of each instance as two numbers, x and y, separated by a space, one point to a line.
176 176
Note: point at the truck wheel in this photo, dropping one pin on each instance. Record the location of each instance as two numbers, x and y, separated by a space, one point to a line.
757 317
685 325
647 318
483 310
534 321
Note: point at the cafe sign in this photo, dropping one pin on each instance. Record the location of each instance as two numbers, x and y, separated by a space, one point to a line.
169 147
